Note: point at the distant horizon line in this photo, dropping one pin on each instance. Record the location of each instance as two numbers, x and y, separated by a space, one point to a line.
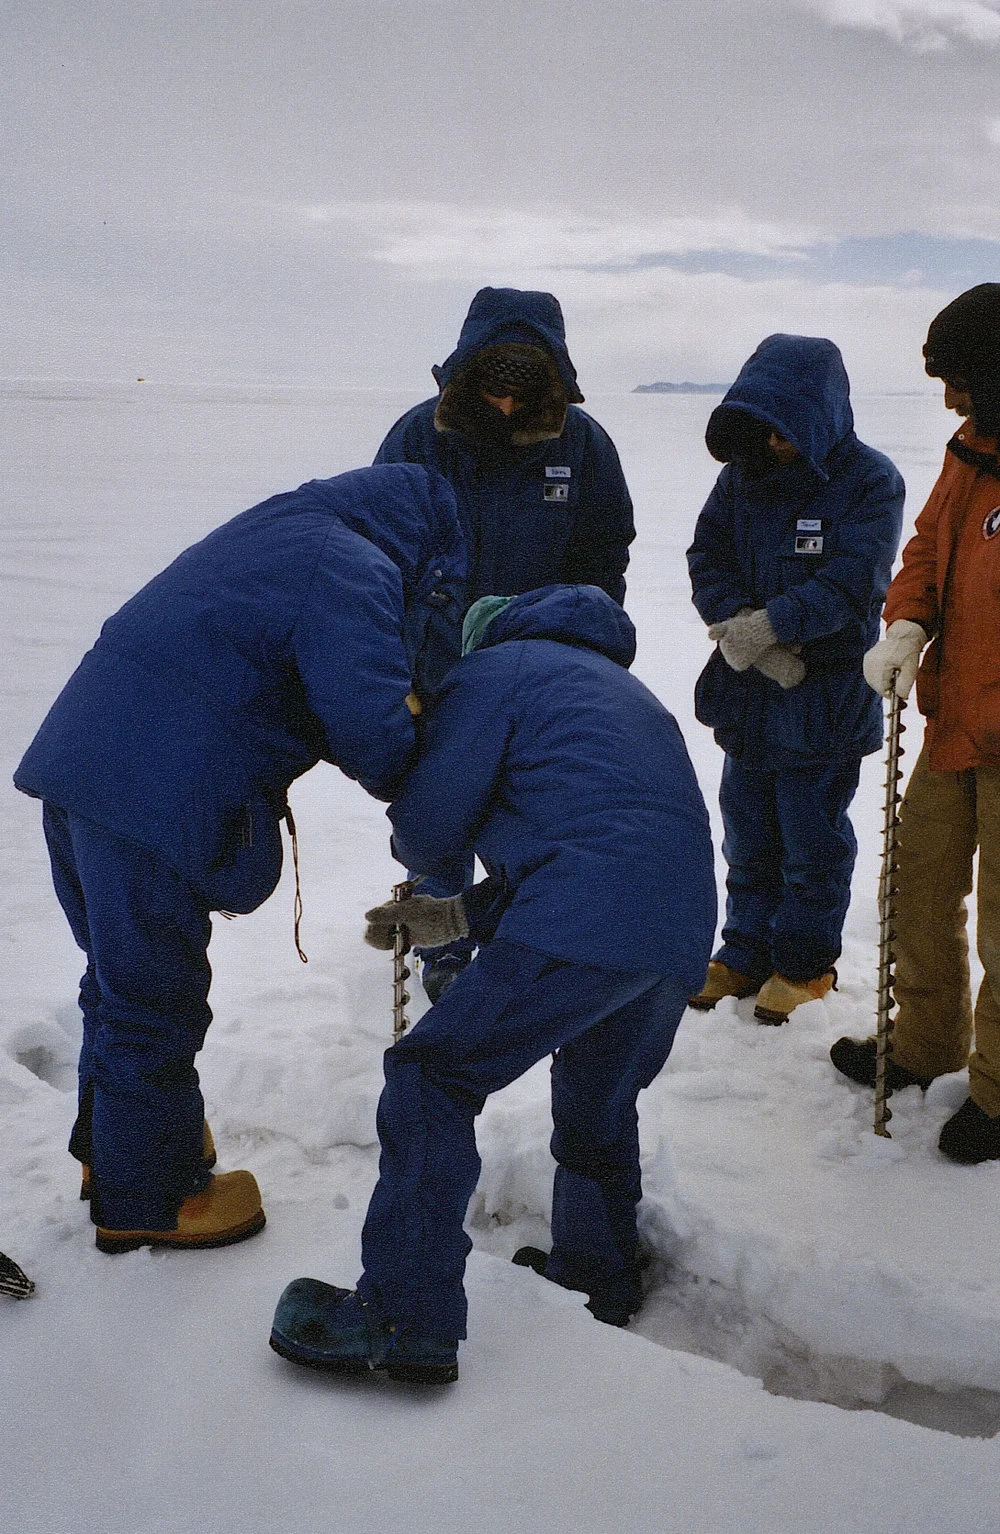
63 380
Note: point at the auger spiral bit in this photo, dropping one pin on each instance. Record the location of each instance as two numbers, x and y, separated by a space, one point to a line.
887 913
400 969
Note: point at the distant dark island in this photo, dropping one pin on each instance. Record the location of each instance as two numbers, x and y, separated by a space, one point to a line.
681 388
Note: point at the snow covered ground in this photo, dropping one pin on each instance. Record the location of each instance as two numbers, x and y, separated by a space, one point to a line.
799 1261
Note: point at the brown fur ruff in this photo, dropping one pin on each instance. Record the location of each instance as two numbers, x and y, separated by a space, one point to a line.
538 422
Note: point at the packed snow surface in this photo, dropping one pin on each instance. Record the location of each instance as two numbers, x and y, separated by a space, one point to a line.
800 1265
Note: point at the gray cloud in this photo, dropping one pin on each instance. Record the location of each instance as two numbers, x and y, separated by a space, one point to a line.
312 189
928 26
469 241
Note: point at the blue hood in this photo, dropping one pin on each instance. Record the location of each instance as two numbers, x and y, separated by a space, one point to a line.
798 385
405 510
498 315
577 615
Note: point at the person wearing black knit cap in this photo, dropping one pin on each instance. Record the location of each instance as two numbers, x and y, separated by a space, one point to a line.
542 499
963 349
947 597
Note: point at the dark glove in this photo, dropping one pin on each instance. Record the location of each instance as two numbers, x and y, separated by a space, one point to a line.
744 638
429 922
13 1281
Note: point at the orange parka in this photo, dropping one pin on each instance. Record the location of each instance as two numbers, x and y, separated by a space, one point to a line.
950 585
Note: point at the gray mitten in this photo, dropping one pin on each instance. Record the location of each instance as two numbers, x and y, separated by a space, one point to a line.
782 664
429 922
744 638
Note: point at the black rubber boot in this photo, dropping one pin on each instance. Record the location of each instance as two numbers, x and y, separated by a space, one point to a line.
615 1303
971 1136
855 1058
531 1257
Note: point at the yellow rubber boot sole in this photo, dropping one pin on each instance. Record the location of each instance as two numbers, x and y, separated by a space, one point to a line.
779 997
719 982
227 1211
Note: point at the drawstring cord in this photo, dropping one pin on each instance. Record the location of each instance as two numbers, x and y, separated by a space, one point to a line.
297 906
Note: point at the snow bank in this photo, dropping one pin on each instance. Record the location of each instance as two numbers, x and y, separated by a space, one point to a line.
788 1245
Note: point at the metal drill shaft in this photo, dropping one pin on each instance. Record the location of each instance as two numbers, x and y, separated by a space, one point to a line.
400 969
887 914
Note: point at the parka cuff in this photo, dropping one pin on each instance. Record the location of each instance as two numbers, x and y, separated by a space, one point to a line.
728 609
928 620
485 903
784 620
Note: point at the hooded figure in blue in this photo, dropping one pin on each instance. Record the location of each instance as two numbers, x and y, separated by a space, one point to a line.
789 566
292 634
571 782
541 493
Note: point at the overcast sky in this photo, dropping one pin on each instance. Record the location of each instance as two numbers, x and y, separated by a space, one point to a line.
310 191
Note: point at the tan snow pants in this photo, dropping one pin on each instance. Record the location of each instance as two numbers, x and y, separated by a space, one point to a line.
943 818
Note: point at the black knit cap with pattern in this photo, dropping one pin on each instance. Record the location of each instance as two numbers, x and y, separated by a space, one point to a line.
511 369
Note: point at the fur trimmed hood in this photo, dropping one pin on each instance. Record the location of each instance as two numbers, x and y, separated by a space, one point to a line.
460 407
499 317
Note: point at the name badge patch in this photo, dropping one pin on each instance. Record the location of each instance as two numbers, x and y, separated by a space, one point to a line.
992 524
808 543
558 471
556 492
809 525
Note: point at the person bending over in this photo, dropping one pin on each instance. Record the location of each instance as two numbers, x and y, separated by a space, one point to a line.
290 635
571 782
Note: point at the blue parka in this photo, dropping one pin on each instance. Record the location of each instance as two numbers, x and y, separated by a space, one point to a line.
571 782
288 636
543 511
813 542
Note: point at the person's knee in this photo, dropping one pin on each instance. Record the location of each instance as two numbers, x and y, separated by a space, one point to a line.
412 1067
173 1074
147 1051
587 1155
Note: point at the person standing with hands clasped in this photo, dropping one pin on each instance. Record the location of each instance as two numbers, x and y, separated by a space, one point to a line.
948 593
790 562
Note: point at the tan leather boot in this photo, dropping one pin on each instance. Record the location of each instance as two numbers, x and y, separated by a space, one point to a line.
228 1210
778 996
720 981
208 1160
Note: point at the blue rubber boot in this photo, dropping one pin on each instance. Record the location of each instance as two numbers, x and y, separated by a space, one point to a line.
322 1327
